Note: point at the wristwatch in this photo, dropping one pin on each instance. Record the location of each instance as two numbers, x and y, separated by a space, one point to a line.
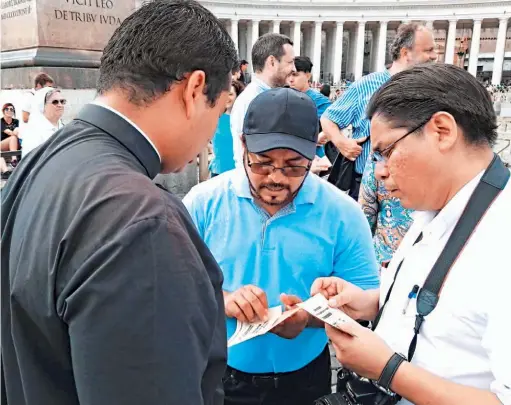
390 370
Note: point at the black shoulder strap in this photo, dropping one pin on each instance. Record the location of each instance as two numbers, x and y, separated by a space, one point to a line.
491 184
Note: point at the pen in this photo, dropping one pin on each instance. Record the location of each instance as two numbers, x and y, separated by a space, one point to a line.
411 294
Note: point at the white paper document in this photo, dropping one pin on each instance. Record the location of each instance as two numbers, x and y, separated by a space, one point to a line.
317 306
245 331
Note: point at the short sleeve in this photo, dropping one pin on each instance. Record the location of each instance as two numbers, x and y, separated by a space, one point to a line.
27 102
345 109
355 259
368 198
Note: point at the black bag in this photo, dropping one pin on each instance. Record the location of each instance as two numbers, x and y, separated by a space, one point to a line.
342 173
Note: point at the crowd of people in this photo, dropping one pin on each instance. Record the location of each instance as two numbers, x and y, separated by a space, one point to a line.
114 291
41 116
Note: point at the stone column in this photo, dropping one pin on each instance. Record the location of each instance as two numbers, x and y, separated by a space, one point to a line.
451 42
307 41
500 48
359 50
234 32
337 52
242 45
373 66
296 33
382 46
350 62
474 47
276 27
254 35
316 59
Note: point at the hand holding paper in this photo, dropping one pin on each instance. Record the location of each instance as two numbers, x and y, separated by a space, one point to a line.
316 306
294 324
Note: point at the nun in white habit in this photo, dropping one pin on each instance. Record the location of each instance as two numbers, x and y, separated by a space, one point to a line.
45 118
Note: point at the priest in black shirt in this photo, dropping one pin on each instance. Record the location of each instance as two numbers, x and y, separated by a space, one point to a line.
109 296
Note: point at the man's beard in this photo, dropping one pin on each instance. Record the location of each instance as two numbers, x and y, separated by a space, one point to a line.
273 187
279 80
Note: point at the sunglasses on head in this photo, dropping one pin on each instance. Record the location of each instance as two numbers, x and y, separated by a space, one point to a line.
61 101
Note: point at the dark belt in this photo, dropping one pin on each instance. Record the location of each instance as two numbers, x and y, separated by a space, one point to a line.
279 380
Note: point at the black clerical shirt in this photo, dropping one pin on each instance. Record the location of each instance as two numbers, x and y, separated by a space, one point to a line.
109 296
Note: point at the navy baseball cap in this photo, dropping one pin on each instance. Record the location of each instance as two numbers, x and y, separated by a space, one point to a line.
282 118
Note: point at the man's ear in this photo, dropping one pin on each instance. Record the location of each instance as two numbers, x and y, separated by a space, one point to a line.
444 129
193 92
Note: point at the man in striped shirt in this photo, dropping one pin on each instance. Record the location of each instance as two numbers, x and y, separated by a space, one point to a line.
414 44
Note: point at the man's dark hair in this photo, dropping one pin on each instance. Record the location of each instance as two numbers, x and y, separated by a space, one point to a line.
42 79
405 38
325 90
238 87
159 44
303 64
412 96
243 62
266 46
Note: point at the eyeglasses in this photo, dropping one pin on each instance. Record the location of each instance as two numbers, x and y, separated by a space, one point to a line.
384 155
56 102
266 169
9 109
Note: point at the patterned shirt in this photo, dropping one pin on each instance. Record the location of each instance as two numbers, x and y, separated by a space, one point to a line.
388 220
350 109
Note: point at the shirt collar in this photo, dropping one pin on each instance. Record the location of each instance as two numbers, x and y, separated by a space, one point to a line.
129 121
127 134
306 195
259 83
447 217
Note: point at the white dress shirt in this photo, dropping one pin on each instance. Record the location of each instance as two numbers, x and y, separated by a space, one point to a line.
239 110
467 338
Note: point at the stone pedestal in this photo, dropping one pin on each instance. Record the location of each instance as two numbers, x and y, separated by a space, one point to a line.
63 38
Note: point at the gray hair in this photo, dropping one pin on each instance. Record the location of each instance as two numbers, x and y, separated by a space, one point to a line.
405 38
413 96
50 93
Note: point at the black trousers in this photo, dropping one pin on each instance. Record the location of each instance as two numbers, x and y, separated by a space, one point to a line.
301 387
355 186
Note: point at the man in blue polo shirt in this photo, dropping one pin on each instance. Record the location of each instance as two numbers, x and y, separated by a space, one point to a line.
274 228
300 80
413 44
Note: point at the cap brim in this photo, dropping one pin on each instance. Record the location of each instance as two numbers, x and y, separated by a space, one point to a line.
259 143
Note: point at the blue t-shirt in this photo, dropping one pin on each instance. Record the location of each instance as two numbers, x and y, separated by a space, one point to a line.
322 233
322 103
223 160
